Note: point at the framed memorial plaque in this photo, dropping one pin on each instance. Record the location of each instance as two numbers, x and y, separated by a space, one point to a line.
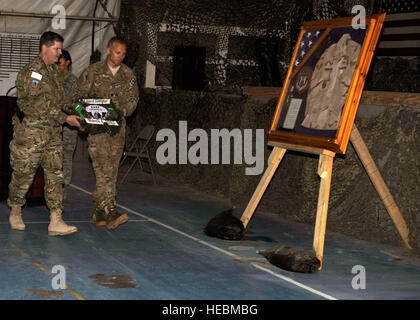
98 111
98 116
324 83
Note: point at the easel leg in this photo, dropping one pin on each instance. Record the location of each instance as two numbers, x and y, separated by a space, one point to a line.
324 171
273 162
380 185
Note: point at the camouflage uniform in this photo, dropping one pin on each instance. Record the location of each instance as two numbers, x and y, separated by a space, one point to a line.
69 132
106 150
37 139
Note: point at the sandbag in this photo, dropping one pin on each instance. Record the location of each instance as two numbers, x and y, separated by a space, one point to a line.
292 259
225 226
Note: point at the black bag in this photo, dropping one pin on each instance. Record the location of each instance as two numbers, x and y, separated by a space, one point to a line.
225 226
288 258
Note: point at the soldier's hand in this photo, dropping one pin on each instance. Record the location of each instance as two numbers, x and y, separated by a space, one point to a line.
73 120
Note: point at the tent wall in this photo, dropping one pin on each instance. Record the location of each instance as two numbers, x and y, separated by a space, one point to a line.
77 33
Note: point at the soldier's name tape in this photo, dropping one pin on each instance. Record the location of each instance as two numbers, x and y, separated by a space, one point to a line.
99 121
97 101
36 75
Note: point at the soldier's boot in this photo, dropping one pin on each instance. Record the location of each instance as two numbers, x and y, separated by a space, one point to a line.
15 219
57 226
113 218
98 217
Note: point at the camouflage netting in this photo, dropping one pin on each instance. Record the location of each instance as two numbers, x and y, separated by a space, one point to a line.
247 42
394 74
239 36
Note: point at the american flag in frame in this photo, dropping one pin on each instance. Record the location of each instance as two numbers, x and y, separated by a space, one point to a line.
324 83
309 39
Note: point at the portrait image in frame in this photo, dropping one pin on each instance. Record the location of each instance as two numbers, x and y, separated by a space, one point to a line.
321 93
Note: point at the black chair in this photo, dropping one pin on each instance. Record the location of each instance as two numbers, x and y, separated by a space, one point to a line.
139 150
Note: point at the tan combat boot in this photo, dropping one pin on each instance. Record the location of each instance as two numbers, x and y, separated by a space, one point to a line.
113 218
57 226
15 219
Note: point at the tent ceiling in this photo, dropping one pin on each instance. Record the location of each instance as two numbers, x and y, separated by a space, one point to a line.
51 16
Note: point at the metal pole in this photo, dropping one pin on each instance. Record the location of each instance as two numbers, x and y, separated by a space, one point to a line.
51 16
93 28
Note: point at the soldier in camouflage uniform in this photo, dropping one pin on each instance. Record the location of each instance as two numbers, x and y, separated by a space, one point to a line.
37 137
69 133
113 80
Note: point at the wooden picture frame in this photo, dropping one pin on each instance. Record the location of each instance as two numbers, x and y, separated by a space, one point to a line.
320 96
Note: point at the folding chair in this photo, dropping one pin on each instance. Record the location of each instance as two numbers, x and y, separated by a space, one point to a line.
139 150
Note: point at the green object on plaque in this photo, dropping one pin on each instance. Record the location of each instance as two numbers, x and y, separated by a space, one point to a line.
113 112
79 109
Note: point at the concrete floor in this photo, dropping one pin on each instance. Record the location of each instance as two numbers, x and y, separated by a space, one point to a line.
163 254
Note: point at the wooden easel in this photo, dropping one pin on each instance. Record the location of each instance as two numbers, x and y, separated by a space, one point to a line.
325 171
